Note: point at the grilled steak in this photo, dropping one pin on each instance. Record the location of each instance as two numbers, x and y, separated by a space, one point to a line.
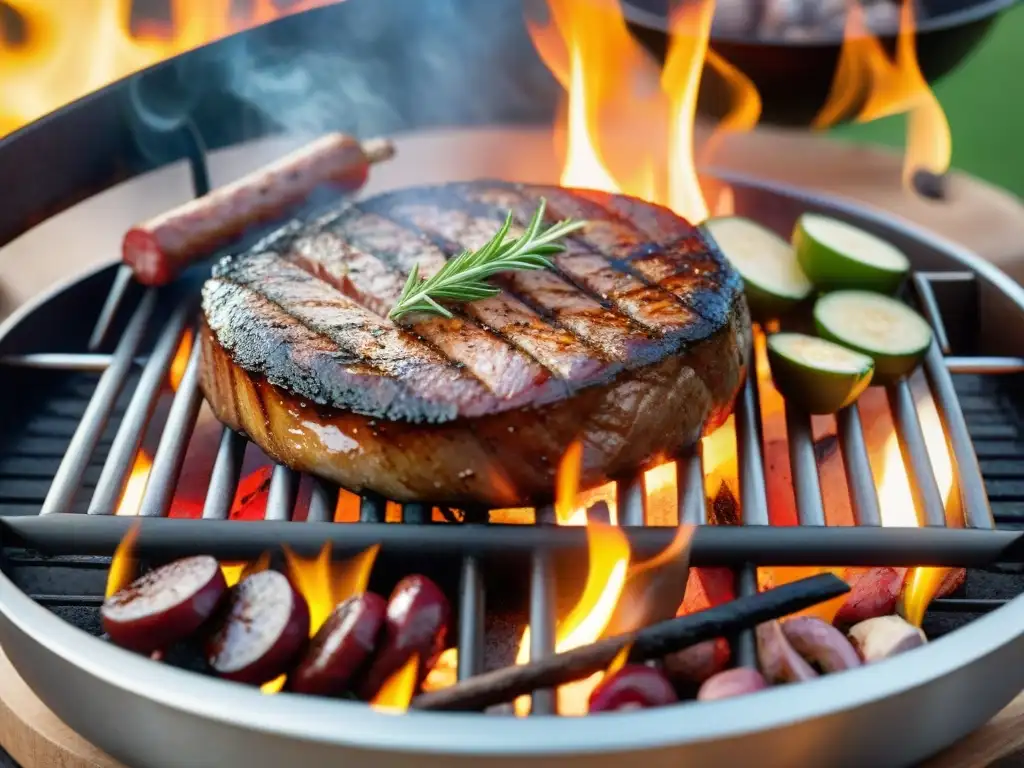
635 343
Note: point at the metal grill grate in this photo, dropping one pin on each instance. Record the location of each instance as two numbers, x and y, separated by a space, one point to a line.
93 409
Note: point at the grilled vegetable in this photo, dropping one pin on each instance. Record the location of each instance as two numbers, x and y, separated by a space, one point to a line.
817 375
416 623
820 643
779 660
772 279
634 686
165 605
888 331
341 646
732 682
265 628
837 256
884 637
873 593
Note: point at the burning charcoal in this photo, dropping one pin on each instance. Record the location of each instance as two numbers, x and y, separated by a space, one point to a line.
732 682
820 643
416 623
779 660
725 509
695 665
340 647
165 605
952 581
875 593
265 628
635 686
885 636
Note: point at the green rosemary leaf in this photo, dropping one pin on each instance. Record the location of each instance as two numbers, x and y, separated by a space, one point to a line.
463 277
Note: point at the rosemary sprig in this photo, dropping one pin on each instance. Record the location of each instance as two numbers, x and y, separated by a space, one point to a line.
463 278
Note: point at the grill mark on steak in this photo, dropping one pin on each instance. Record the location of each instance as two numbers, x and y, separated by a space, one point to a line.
503 315
559 301
598 270
361 337
690 266
629 250
377 285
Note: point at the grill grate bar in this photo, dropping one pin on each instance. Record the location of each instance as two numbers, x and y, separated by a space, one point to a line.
985 366
713 545
284 489
322 502
90 601
83 442
863 492
133 423
965 605
62 361
753 498
806 484
542 625
118 289
928 502
371 508
693 508
170 452
931 310
471 619
744 646
977 512
227 468
631 501
416 514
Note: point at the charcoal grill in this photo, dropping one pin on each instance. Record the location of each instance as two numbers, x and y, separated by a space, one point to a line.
83 365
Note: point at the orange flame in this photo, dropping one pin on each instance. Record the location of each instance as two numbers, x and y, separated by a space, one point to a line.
619 661
324 583
868 79
72 48
397 691
444 673
135 486
235 572
180 361
123 565
609 554
897 504
275 685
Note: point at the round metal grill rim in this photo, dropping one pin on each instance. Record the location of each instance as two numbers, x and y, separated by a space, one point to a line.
357 725
349 724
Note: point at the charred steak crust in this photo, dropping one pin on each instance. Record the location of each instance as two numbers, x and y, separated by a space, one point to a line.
636 343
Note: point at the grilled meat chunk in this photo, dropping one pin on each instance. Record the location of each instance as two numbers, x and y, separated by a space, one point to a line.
636 343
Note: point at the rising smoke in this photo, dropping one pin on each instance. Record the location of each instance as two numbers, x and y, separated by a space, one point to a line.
383 66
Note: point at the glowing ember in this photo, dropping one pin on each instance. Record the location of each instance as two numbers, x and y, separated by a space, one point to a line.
396 693
123 566
324 583
72 48
608 551
869 82
444 673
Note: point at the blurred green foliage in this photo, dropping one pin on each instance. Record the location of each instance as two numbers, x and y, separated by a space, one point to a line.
984 100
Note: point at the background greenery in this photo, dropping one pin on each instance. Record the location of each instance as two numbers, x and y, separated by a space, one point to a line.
986 112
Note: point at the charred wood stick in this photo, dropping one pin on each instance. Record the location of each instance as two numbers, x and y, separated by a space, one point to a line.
653 642
159 249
